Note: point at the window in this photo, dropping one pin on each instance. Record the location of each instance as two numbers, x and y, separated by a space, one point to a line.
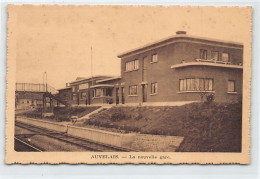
83 95
73 88
66 97
132 65
225 57
196 84
74 97
154 88
231 86
133 90
98 92
203 54
215 55
83 86
154 58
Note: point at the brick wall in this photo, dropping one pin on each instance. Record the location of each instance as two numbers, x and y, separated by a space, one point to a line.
168 79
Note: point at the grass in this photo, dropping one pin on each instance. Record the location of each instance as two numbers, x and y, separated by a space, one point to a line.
214 127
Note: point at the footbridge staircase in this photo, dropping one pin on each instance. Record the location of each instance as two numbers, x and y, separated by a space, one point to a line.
43 95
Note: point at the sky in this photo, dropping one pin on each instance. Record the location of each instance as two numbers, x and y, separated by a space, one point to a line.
58 39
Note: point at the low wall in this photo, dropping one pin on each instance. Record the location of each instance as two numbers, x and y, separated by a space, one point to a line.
44 124
105 137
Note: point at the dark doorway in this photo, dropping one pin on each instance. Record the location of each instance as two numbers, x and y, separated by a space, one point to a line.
78 98
89 96
117 95
144 93
123 95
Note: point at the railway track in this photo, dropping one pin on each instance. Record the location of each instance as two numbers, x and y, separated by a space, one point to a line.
22 146
87 144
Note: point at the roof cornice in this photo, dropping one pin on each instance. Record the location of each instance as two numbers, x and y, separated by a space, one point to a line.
181 38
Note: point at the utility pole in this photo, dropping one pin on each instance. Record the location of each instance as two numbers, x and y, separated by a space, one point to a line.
45 74
44 97
91 67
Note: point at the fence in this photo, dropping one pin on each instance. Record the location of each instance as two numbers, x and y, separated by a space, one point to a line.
32 87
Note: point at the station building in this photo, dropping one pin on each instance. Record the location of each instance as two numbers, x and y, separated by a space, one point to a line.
90 91
180 68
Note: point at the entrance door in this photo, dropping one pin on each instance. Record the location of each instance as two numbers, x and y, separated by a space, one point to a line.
144 93
117 95
123 95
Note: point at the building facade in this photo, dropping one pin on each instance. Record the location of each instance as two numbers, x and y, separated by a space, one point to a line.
32 96
181 68
90 91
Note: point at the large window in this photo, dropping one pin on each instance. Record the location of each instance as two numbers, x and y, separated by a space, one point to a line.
154 88
215 55
203 54
132 65
231 86
133 90
225 57
196 84
154 58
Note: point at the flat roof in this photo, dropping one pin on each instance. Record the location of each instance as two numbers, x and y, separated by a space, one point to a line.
64 88
173 38
89 79
109 79
101 85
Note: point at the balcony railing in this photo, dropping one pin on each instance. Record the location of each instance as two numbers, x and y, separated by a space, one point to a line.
215 61
206 62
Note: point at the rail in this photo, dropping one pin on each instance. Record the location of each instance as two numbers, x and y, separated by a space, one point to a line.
85 143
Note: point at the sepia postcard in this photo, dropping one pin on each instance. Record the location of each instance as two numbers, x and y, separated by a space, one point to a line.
128 84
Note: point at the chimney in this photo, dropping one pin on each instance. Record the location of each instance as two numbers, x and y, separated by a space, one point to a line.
67 85
180 32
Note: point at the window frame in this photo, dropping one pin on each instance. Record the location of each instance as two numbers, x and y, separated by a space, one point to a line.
204 50
152 59
228 60
132 65
212 55
234 83
101 91
74 96
154 88
194 87
83 95
133 90
74 89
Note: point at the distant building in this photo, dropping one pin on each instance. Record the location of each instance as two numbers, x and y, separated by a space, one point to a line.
31 95
180 68
65 94
93 90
